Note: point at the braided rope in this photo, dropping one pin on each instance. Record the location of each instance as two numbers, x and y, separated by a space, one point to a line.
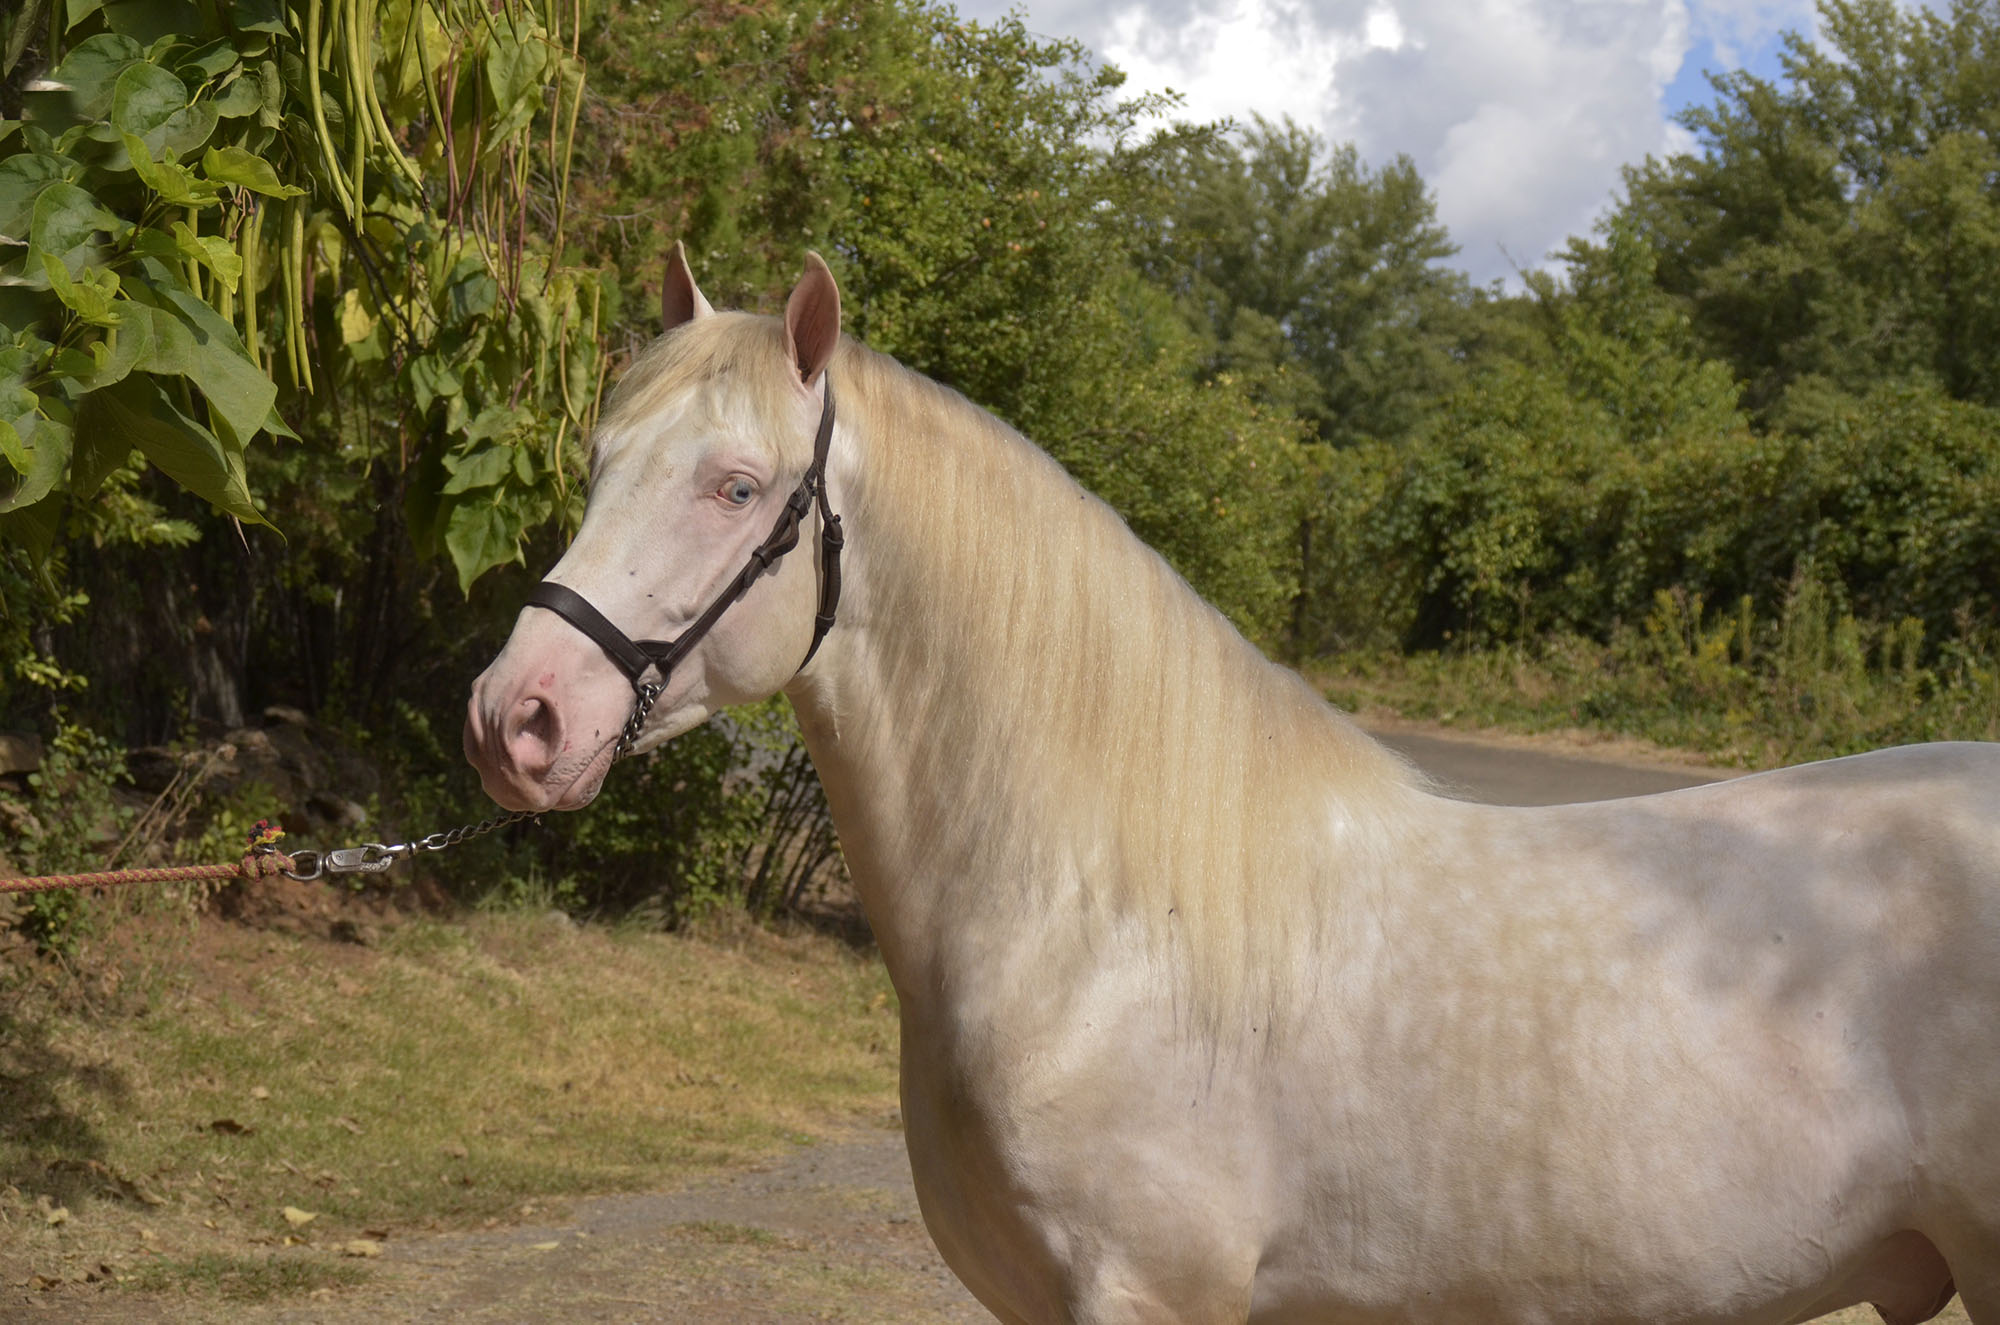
257 865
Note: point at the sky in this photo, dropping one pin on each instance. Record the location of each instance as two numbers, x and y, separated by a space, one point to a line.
1518 113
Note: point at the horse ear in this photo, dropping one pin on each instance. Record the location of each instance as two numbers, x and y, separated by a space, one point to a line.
812 320
680 299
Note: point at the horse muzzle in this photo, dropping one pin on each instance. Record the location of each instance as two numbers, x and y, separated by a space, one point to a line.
537 748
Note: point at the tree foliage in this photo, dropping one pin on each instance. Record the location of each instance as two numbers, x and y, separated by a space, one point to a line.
228 273
973 186
1841 225
1312 274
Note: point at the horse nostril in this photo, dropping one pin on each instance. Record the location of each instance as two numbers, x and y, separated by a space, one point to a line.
534 732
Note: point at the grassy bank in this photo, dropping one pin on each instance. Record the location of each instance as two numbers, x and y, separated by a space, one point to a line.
175 1119
1814 685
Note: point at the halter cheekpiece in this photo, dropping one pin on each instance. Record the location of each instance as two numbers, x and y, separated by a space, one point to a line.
636 657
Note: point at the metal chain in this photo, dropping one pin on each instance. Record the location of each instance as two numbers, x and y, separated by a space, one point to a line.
642 706
376 857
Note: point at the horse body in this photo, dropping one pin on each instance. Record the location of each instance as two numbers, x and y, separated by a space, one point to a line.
1211 1010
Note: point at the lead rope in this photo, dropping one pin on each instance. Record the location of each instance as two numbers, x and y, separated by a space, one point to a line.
263 860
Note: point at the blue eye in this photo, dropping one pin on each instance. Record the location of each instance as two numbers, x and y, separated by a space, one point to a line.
738 491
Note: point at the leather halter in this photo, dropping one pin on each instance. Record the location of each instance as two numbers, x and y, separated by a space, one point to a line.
636 657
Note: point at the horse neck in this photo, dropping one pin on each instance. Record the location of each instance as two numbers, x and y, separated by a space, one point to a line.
1024 716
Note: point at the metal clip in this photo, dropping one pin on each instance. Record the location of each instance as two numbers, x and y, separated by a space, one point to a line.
373 858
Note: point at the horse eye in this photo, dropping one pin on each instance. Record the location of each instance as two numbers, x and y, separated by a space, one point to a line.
738 491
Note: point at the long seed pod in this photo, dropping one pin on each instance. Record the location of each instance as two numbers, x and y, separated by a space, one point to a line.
250 237
603 359
562 188
383 133
343 194
359 129
440 122
562 359
193 267
225 293
295 281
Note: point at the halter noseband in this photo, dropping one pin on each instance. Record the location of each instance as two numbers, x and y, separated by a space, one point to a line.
634 657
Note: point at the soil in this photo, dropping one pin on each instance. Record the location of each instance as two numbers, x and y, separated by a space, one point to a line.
828 1233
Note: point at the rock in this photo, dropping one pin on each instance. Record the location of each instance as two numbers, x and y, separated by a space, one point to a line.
252 743
152 768
286 714
20 752
335 811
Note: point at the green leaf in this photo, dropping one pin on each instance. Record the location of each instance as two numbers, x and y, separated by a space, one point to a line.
90 72
259 16
144 99
46 445
481 469
22 179
137 412
151 103
90 297
213 252
123 346
174 182
356 322
34 526
98 455
514 73
79 10
150 20
210 61
233 165
271 85
472 290
239 94
430 378
65 225
194 341
233 386
11 447
480 535
497 421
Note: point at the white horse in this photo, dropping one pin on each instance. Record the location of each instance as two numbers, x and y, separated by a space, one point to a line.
1211 1010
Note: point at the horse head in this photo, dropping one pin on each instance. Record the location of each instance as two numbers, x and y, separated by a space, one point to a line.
676 599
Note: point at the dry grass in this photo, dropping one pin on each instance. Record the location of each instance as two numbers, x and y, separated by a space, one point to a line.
448 1076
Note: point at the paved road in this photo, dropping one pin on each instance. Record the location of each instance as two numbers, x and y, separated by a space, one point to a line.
1508 775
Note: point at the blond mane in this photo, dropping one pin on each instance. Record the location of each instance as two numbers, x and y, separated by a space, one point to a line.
1119 727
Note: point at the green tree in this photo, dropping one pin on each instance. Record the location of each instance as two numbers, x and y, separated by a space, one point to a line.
1839 224
1313 275
974 187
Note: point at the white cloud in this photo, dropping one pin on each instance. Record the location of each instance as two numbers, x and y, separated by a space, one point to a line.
1519 113
1738 30
1268 57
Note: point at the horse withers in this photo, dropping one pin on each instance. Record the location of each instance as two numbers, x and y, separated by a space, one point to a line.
1211 1009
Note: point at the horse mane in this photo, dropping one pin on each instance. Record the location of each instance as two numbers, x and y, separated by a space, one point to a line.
1124 734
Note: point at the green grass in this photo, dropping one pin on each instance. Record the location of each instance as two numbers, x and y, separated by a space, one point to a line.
245 1278
1796 692
446 1077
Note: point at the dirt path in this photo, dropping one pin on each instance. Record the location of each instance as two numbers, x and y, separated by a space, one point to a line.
828 1233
